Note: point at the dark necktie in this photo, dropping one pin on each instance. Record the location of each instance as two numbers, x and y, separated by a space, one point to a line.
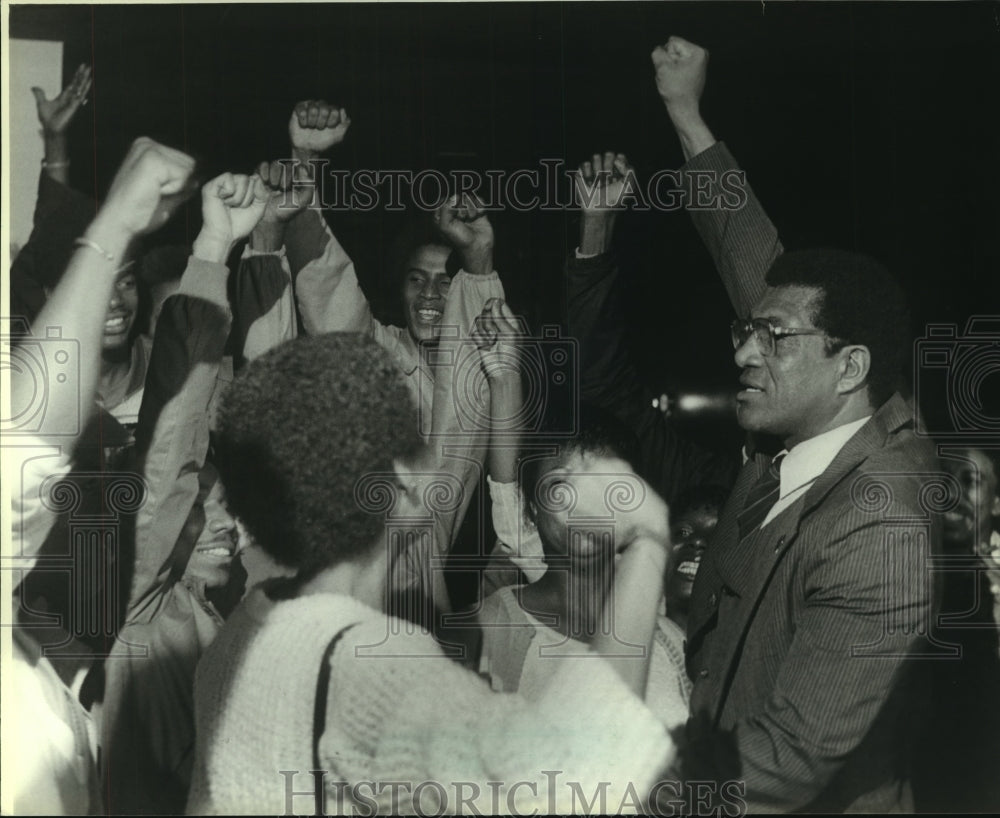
762 496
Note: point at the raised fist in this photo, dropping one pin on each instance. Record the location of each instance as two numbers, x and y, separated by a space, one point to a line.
56 114
497 333
231 206
316 125
151 181
285 199
680 72
601 183
465 226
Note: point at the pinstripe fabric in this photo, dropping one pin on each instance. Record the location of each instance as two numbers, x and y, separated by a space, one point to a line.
803 638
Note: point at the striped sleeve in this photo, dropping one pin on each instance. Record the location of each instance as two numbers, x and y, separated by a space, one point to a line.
736 231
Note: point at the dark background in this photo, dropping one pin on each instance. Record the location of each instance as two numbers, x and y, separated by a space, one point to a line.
866 125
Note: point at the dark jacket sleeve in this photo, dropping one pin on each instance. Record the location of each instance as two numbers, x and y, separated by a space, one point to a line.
610 381
263 306
61 214
172 437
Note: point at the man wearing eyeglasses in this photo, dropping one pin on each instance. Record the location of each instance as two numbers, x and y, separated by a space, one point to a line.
812 605
807 638
808 631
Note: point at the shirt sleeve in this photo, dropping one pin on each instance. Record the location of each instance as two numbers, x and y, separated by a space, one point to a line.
517 537
329 297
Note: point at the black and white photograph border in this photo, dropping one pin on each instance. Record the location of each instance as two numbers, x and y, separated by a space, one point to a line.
600 326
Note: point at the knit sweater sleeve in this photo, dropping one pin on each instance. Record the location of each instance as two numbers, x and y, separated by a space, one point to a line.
401 714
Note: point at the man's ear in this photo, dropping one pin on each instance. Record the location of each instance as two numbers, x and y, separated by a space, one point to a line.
855 364
995 506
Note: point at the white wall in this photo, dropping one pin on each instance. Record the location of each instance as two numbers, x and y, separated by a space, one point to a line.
32 62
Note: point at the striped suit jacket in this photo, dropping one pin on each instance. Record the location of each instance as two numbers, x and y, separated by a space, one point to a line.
808 639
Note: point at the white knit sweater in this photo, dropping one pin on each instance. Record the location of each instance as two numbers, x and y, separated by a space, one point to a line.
400 714
519 653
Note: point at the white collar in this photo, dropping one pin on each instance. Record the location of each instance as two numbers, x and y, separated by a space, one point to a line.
809 459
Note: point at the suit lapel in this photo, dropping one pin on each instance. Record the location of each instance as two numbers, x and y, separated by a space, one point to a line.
746 567
870 437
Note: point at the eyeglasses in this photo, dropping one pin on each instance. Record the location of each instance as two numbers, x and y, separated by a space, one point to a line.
765 333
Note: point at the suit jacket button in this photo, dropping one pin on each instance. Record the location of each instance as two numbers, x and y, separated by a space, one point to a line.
703 674
713 599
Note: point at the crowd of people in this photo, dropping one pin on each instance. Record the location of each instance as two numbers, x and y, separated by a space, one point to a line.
809 624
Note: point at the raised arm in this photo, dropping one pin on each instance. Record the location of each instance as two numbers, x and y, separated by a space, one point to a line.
78 305
263 302
58 207
452 416
597 319
456 418
55 116
173 436
77 309
642 545
327 291
736 231
498 335
595 313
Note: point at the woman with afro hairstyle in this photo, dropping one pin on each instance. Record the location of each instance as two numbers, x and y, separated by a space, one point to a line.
321 460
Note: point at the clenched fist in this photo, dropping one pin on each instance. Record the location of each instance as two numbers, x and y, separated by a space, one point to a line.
497 333
231 204
680 72
316 125
291 189
467 228
149 184
601 184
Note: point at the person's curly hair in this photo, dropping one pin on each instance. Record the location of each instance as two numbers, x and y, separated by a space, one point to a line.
860 303
298 430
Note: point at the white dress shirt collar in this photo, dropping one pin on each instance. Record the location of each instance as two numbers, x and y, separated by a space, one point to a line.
807 460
